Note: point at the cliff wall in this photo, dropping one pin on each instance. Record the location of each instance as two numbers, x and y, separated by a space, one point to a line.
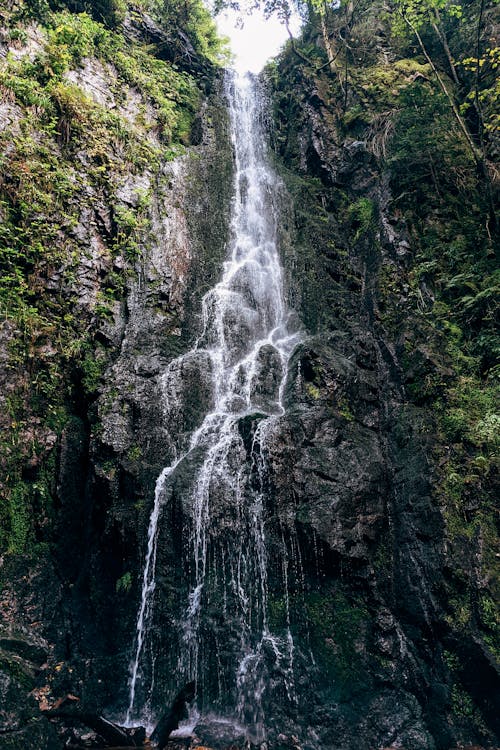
389 468
116 181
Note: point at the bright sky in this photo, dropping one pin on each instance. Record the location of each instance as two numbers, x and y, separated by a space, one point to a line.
257 41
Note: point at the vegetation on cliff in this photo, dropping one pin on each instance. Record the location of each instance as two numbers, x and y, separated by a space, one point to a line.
87 102
412 87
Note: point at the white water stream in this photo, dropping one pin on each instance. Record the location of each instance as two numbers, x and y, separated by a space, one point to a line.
242 353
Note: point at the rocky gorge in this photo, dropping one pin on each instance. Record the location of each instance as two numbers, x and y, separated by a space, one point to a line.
372 487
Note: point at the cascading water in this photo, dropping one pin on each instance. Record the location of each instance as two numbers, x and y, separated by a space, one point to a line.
221 636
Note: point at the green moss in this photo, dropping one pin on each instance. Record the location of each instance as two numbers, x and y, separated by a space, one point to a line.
313 391
19 517
337 630
411 67
379 86
63 147
355 115
345 408
277 613
134 453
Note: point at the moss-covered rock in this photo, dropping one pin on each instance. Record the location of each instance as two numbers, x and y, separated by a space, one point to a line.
388 213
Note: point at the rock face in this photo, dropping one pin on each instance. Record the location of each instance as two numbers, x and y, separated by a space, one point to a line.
350 479
132 443
137 239
353 468
359 558
108 463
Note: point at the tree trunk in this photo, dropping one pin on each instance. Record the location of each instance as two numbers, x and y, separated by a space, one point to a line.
436 25
330 51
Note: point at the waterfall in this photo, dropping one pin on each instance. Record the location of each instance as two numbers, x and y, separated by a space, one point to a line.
221 636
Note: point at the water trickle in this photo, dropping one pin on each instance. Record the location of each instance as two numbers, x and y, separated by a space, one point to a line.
240 360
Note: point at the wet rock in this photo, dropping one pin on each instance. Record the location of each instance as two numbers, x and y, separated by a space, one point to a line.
26 644
220 734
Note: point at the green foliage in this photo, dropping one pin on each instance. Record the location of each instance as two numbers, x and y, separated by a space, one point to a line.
421 13
427 153
455 38
75 37
480 302
78 36
489 616
93 366
65 150
462 703
110 12
124 584
360 215
131 224
34 9
468 420
470 413
488 96
73 107
175 94
195 20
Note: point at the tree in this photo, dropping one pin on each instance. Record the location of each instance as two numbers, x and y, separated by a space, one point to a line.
421 17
